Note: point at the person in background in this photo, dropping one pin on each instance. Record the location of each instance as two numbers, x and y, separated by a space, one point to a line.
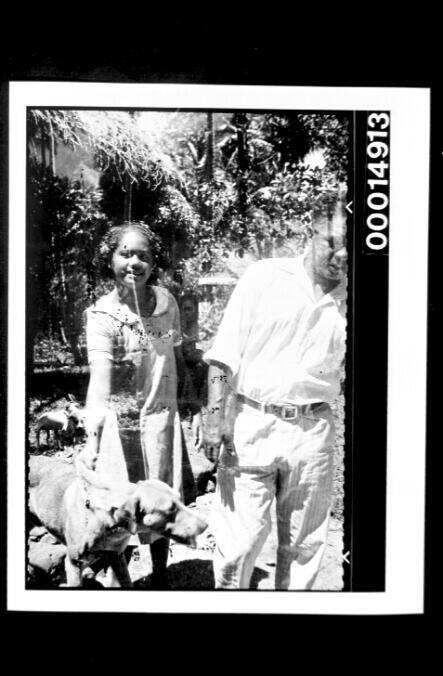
189 325
193 356
274 370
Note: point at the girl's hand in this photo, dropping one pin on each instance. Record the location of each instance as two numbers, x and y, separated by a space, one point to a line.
94 422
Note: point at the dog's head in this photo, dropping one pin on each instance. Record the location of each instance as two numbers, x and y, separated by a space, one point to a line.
152 505
157 508
109 516
76 417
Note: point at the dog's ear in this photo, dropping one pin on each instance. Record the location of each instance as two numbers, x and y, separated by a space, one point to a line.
124 514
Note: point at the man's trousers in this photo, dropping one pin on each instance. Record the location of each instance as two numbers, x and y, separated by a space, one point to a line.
291 461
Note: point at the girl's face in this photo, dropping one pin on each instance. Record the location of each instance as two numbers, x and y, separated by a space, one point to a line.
132 262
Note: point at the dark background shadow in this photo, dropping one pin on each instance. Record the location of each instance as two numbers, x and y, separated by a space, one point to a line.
195 574
192 574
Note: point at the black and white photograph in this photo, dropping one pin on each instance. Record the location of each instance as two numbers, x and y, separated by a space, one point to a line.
206 353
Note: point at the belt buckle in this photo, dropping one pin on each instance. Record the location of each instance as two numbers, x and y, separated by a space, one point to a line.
286 416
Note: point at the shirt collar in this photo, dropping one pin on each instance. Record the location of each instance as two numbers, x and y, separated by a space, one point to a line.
114 307
296 266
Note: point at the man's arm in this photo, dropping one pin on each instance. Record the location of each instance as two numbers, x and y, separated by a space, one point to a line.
219 420
225 358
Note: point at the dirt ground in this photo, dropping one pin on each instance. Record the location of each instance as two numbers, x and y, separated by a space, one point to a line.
192 568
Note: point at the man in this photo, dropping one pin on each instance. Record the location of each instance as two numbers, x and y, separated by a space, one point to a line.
274 369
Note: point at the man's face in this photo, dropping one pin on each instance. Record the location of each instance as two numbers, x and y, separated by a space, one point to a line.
329 257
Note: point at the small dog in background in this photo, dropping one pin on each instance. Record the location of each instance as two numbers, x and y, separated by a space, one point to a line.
77 425
67 424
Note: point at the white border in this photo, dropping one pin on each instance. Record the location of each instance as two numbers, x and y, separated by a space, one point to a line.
407 344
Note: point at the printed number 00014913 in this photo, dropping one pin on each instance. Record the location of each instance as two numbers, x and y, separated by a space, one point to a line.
377 199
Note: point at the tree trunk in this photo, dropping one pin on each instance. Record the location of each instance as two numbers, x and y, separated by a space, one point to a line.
209 164
241 123
59 269
75 348
42 145
127 186
62 333
127 205
209 147
51 148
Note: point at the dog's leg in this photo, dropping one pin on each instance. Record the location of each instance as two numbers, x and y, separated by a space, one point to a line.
119 568
73 573
88 579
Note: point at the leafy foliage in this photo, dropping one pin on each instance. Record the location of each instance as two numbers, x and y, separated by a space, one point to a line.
66 222
266 200
114 138
207 183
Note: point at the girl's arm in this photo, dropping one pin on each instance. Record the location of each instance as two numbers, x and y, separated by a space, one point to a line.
97 399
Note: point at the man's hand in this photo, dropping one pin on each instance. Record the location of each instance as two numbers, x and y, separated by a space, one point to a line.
213 445
212 440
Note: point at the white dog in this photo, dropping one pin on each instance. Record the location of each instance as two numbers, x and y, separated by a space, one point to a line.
68 422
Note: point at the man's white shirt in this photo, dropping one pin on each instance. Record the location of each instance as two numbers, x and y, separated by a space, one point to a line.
282 345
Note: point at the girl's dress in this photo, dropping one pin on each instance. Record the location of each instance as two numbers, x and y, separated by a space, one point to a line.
142 436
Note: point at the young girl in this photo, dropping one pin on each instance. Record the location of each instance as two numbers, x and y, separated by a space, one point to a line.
134 343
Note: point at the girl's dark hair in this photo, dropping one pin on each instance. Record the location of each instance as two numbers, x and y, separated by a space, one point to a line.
112 237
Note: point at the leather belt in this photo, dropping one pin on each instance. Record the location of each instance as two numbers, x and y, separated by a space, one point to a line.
284 411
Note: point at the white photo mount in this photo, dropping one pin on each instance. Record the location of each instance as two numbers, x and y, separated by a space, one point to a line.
409 110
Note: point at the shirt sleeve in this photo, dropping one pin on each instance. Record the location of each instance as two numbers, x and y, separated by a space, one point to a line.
99 336
236 324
